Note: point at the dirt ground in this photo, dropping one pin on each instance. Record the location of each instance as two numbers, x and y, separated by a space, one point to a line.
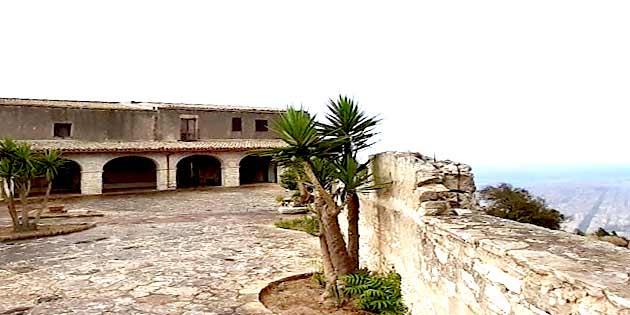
302 297
7 234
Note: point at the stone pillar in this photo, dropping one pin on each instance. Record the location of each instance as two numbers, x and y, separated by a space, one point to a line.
230 172
161 170
231 176
172 177
162 179
91 182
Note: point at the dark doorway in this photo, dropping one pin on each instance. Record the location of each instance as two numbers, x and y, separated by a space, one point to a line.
67 181
198 171
129 173
257 169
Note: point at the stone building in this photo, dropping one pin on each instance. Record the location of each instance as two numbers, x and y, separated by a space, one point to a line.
149 146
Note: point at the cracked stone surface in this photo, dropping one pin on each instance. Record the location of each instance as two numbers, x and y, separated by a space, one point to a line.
188 252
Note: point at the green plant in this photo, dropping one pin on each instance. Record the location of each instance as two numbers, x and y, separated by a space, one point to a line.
319 278
19 166
520 205
308 224
279 199
326 154
378 293
289 179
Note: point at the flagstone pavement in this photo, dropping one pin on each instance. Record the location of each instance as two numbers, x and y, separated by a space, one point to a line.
184 252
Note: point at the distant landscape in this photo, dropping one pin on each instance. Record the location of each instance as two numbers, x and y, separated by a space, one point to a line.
590 197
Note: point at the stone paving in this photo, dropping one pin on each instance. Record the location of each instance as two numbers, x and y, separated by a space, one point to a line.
189 252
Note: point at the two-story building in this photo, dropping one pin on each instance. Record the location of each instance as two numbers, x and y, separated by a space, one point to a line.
130 146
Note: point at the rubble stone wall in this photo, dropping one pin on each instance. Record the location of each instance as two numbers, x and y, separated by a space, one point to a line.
470 263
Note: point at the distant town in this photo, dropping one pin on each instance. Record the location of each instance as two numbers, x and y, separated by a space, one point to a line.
589 198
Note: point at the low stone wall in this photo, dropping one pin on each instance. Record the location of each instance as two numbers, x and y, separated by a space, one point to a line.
476 264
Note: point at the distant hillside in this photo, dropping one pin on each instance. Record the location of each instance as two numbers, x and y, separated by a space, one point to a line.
590 197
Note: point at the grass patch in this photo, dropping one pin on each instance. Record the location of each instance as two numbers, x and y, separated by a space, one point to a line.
306 224
7 234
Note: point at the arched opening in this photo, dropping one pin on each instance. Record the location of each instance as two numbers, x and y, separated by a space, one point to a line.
198 171
67 181
257 169
129 173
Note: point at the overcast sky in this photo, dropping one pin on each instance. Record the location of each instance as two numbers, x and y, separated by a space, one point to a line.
502 83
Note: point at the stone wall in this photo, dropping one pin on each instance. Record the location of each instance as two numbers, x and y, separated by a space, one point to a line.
470 263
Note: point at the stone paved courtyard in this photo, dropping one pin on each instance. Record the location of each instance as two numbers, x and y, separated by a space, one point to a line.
187 252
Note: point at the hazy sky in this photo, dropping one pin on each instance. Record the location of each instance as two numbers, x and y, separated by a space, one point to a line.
483 82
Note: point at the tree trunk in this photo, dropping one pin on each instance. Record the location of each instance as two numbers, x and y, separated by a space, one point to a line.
7 194
330 227
336 244
304 193
353 229
24 212
44 204
329 271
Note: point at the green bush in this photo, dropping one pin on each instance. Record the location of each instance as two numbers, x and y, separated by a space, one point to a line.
308 224
377 293
289 178
520 205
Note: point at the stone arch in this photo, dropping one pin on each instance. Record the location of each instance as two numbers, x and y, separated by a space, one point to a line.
67 180
198 170
131 172
257 169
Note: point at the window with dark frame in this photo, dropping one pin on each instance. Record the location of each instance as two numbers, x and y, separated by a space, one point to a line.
261 125
237 124
62 130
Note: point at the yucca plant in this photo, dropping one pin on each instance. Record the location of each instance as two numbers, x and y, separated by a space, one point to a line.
327 152
345 120
19 165
48 165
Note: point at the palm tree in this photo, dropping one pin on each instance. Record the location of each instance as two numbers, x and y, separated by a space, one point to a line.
7 178
48 166
327 152
347 121
19 165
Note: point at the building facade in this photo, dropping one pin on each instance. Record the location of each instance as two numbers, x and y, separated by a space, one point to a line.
145 146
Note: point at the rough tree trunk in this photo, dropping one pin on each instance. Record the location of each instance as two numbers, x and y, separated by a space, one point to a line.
330 227
25 208
353 229
7 194
305 195
329 271
44 204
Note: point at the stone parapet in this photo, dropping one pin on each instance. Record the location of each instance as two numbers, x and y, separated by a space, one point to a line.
478 264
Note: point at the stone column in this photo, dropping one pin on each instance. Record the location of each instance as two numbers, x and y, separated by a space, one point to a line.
230 172
231 176
162 176
91 182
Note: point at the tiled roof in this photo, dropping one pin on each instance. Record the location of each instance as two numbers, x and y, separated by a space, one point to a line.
142 106
74 146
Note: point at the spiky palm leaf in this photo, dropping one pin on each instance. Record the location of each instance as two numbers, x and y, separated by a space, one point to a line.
48 164
346 121
298 130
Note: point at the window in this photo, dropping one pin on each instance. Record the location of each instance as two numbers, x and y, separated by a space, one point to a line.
188 129
62 130
261 125
237 124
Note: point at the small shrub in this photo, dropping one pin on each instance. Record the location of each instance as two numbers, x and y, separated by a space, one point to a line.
289 178
375 292
306 224
319 279
279 199
520 205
